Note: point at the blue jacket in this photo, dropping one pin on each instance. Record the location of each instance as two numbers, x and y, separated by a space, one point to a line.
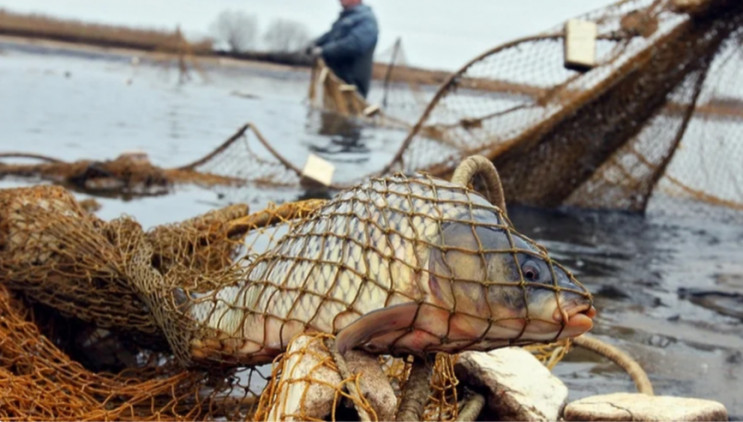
348 48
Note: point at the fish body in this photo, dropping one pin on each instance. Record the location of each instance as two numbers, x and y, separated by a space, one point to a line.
398 265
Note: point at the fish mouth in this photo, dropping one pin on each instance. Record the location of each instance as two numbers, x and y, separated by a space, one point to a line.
575 318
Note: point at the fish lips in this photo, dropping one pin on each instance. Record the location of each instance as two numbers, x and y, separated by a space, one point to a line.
576 317
557 316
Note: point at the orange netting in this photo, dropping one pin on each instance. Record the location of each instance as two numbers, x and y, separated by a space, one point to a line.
39 381
170 325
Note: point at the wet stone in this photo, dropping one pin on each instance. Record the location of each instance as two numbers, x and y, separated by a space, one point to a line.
518 386
636 406
658 340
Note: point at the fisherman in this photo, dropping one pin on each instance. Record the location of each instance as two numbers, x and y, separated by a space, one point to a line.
349 45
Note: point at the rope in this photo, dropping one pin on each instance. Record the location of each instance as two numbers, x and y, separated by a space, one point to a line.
635 371
30 155
477 165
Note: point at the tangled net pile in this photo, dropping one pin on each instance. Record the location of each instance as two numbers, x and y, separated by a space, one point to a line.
100 319
65 261
132 174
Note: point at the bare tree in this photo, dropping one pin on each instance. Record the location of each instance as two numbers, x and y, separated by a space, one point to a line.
236 30
286 35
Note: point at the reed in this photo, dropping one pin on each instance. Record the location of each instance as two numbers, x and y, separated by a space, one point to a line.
39 26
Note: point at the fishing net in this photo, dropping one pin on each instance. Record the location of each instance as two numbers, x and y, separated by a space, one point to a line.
606 136
401 91
657 117
79 304
132 174
40 381
655 121
331 93
61 257
158 317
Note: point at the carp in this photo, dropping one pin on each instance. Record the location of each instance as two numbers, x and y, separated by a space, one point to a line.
396 265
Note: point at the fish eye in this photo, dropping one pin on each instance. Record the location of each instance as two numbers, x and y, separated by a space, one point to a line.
531 271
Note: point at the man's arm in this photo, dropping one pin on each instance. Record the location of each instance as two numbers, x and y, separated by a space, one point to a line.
322 39
361 37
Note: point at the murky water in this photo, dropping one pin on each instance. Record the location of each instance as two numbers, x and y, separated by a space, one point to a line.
669 290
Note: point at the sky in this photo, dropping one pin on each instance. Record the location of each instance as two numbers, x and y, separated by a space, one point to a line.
441 34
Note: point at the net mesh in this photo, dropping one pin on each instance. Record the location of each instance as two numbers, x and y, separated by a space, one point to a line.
405 90
293 391
604 137
102 320
39 381
329 92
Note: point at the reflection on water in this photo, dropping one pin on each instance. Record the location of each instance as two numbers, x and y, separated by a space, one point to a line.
668 290
344 135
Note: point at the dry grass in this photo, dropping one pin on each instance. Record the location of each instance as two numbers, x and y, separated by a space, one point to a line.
38 26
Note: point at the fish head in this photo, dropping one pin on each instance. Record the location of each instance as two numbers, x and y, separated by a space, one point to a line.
486 286
501 288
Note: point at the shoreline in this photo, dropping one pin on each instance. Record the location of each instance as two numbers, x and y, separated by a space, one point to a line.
75 36
50 32
78 47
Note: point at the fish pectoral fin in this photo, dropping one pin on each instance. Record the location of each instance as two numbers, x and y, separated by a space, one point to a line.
377 322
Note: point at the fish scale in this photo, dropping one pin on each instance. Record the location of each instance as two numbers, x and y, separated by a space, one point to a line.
367 249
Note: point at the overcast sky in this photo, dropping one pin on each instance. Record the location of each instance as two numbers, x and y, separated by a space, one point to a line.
435 33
